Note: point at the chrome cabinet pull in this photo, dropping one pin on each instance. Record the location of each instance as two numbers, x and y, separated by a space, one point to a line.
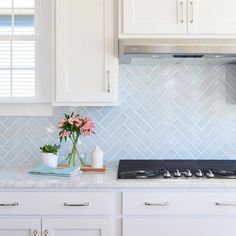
182 12
46 232
9 204
192 12
224 204
157 204
108 81
35 232
76 205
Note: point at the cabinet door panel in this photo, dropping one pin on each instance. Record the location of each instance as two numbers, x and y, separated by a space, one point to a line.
179 226
77 227
76 232
20 227
84 51
212 16
154 16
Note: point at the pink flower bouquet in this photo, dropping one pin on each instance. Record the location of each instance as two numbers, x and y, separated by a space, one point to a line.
72 127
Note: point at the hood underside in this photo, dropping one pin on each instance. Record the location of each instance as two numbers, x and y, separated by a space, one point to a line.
178 51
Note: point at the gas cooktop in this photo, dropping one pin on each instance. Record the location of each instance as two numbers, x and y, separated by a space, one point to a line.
151 169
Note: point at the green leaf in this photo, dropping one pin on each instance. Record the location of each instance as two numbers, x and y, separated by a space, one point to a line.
50 149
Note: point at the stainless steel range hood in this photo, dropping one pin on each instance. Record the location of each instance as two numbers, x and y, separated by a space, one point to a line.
178 51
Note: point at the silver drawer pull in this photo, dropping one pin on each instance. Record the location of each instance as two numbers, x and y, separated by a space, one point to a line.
182 12
9 204
224 204
192 12
46 232
76 205
108 81
157 204
35 233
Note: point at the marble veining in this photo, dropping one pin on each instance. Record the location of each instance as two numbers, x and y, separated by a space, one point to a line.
18 178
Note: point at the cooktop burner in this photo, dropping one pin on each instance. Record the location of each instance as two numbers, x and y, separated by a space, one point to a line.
139 174
225 174
149 169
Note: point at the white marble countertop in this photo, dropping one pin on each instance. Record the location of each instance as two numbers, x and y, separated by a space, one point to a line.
12 178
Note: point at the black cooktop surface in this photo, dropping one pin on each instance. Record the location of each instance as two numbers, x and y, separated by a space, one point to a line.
145 169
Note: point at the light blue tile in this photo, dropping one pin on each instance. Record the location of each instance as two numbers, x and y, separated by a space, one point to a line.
165 111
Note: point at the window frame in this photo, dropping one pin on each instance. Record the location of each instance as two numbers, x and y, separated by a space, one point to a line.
43 38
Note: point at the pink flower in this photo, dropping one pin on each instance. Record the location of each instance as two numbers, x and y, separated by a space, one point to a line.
78 122
78 125
75 120
86 132
88 127
65 134
71 120
61 122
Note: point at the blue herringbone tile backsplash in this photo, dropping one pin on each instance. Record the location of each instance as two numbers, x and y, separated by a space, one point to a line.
166 111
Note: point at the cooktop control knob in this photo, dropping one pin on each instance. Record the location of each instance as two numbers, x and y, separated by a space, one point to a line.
188 173
177 173
209 174
167 174
199 173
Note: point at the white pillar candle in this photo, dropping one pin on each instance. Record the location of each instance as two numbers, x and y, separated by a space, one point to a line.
97 158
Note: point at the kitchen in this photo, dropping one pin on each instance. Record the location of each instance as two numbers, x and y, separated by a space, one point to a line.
158 80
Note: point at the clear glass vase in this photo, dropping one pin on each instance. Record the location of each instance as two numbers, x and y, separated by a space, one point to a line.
75 157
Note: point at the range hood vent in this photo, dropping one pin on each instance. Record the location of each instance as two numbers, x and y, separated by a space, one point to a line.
178 51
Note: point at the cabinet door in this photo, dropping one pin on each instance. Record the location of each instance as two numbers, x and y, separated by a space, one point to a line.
85 55
20 227
179 226
211 16
76 227
154 17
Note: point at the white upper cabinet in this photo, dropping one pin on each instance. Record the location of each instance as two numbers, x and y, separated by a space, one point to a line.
86 61
177 18
212 17
154 16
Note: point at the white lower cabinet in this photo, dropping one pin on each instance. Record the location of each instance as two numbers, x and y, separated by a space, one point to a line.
61 213
152 213
119 213
194 226
55 227
76 227
20 227
56 203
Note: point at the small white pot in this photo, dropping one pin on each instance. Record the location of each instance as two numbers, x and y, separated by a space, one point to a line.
50 159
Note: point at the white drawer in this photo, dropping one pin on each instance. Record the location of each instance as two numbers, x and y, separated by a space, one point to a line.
178 203
56 203
204 226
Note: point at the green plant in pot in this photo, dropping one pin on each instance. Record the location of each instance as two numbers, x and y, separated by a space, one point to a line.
50 154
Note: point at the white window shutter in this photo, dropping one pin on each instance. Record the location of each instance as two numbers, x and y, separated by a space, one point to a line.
26 55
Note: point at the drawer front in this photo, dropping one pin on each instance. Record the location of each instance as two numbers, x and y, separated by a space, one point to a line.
179 226
178 203
56 203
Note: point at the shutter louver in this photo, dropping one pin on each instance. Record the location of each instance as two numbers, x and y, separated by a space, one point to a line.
17 48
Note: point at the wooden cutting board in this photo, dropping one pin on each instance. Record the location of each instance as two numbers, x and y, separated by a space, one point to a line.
86 168
93 170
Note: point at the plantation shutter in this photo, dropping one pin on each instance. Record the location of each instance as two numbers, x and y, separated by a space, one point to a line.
17 48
